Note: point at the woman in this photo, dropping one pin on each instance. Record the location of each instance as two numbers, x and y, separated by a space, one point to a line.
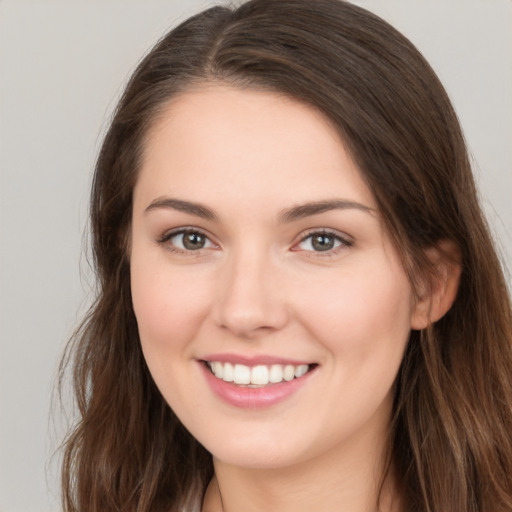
299 302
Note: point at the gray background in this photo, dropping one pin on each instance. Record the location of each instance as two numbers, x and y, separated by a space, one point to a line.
62 66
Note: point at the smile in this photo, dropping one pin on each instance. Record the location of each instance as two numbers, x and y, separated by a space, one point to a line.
255 382
259 375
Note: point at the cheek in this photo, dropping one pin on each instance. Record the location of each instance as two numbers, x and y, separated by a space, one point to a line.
361 312
363 322
168 305
169 308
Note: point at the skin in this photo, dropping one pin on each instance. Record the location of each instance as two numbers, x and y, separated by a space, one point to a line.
259 287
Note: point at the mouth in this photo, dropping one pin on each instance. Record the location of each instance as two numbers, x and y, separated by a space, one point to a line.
257 376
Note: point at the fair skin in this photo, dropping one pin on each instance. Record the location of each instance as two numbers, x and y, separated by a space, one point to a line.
257 281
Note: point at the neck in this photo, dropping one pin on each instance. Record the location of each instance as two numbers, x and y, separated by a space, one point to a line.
352 482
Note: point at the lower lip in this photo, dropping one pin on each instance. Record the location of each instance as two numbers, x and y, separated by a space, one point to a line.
253 398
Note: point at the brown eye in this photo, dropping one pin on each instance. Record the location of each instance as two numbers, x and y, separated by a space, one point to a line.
322 242
193 241
186 240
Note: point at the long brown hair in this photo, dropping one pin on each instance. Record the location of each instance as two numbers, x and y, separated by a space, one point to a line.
452 426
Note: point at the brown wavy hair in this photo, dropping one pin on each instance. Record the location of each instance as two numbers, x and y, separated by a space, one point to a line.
452 427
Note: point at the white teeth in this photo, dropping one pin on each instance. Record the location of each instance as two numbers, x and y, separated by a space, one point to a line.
260 375
289 372
276 373
229 373
218 369
241 374
299 370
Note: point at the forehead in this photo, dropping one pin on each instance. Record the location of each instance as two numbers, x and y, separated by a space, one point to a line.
216 142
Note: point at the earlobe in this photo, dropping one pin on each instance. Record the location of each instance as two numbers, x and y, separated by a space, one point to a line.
440 291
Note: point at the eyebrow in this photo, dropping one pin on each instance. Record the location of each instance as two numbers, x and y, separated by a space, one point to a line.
317 207
183 206
285 216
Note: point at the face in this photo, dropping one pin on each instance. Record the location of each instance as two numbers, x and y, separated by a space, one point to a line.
272 308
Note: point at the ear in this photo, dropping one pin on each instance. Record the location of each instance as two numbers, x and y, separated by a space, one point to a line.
439 292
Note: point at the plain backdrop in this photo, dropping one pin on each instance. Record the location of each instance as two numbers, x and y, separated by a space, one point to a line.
62 67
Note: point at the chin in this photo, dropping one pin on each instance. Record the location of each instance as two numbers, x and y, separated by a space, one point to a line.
255 458
253 452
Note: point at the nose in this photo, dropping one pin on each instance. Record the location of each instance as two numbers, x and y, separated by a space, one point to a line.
250 299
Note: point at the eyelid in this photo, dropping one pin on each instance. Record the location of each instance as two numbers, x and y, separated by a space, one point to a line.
171 233
346 241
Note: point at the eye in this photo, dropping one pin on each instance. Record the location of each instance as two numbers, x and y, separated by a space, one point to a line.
322 241
186 240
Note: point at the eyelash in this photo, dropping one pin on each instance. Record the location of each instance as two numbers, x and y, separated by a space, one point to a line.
166 237
343 242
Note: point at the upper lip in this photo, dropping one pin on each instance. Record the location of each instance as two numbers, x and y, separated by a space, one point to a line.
253 360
